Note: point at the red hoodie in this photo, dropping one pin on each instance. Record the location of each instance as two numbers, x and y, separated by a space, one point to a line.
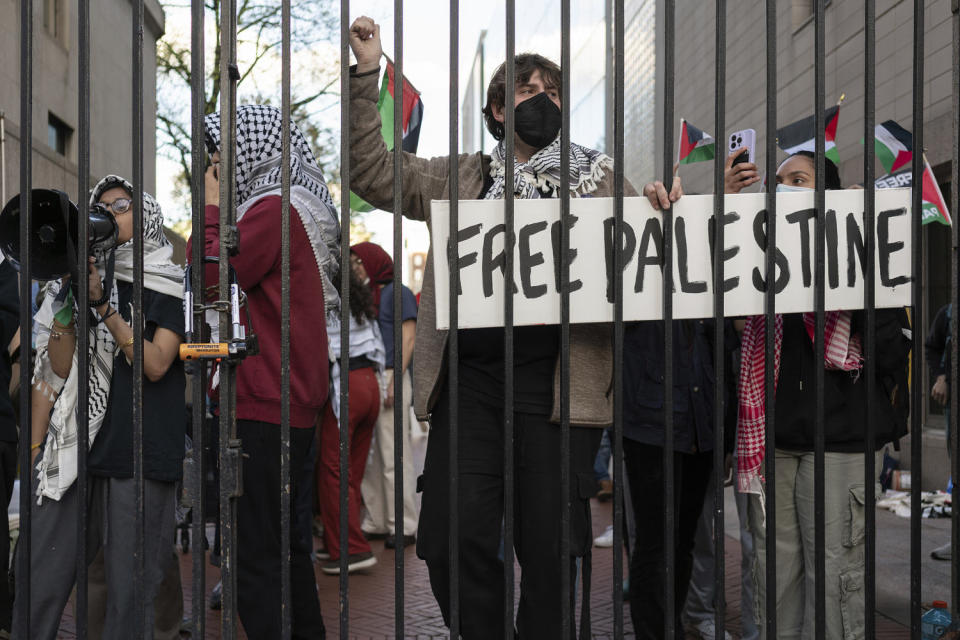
258 271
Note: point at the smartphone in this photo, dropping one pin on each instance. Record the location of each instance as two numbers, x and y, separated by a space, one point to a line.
744 139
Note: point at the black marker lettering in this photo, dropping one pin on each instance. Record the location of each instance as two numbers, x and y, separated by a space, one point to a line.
466 259
780 260
652 231
803 218
885 248
680 228
833 269
555 230
529 260
729 284
854 248
627 248
490 262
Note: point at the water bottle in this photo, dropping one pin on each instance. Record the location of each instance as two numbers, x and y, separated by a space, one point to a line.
935 622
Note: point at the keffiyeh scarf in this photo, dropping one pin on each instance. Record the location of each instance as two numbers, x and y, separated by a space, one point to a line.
587 167
843 352
259 156
58 466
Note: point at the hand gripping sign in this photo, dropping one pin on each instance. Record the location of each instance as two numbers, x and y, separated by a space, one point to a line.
480 240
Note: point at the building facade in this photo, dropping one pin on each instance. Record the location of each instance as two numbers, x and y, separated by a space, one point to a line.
55 93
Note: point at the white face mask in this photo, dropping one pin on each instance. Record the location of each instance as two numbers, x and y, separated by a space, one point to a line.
784 188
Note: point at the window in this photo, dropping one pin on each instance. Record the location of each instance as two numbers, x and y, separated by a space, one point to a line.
802 12
58 135
55 20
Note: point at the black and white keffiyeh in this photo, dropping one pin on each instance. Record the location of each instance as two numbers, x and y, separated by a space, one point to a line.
542 171
58 466
259 153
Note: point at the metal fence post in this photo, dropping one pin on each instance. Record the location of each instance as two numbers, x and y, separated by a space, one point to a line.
194 470
83 318
22 602
917 320
669 521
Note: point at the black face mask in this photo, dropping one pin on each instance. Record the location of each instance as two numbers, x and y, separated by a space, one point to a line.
537 120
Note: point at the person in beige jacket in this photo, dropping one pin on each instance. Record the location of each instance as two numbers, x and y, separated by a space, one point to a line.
536 499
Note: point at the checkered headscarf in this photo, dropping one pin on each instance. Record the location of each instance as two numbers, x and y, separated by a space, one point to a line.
259 148
259 154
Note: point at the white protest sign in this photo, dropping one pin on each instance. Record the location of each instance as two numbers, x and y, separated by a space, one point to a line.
537 257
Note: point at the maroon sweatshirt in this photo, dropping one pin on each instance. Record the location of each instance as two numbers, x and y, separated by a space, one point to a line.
258 271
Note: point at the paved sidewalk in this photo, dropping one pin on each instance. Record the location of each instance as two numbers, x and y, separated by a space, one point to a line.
371 596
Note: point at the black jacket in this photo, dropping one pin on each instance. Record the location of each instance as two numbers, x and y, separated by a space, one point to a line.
9 323
845 394
693 384
936 344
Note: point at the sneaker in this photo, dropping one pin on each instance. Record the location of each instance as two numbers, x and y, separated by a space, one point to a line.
707 630
605 539
321 554
355 562
216 597
606 491
391 541
942 553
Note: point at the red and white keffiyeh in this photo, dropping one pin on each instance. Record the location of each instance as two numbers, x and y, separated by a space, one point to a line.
843 352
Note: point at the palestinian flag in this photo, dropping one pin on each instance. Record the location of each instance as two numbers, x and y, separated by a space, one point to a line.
412 117
695 145
801 136
894 145
934 206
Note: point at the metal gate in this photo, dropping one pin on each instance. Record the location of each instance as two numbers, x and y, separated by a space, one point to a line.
229 446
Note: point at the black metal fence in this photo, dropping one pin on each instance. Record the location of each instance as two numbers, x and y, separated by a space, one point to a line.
229 446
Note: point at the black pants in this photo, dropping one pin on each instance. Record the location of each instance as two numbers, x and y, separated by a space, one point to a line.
8 473
645 474
258 531
537 511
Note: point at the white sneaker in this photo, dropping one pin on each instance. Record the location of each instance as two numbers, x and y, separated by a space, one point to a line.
708 630
605 539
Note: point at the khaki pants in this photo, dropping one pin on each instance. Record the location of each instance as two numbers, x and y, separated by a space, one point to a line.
844 541
378 479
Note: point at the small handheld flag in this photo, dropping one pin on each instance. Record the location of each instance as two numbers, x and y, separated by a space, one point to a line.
695 145
801 135
894 145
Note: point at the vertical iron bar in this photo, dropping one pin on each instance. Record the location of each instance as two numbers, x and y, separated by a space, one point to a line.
286 599
344 325
954 443
916 397
669 520
819 437
83 318
769 343
719 360
509 222
139 588
453 353
229 445
399 435
566 608
198 388
618 332
869 304
22 601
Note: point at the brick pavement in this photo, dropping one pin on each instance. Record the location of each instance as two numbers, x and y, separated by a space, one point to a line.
371 597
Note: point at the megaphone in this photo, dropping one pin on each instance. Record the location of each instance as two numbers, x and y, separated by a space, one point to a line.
54 229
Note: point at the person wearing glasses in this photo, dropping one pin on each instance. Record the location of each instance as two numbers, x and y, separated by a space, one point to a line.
112 500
